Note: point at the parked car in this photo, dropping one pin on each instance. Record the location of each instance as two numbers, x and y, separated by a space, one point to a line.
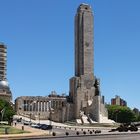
34 125
26 122
45 127
19 119
37 125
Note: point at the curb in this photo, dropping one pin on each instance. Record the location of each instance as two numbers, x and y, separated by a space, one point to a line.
50 137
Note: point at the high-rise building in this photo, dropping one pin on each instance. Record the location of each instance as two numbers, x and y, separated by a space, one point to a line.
5 92
118 101
3 52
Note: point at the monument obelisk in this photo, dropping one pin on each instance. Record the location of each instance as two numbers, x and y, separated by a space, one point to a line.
84 41
84 86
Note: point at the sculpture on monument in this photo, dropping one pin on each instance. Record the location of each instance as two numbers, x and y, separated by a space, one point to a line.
97 87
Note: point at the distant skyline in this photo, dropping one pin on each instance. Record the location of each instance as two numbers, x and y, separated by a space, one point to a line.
39 36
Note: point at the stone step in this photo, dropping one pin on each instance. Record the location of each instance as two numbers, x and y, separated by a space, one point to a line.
85 119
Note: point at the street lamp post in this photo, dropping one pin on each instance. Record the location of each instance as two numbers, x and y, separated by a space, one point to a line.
117 111
50 115
50 111
39 117
2 113
30 118
116 118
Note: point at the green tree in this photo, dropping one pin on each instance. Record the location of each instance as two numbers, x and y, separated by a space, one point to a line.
138 118
121 114
7 111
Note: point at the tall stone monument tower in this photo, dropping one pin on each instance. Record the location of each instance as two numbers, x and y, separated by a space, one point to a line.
84 87
84 41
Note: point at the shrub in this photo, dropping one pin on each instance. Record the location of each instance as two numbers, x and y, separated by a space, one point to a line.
90 132
67 133
84 132
77 133
54 134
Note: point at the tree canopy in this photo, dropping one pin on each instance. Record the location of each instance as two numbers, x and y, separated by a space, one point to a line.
121 114
6 111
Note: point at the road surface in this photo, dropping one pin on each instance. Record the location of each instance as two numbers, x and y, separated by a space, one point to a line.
99 137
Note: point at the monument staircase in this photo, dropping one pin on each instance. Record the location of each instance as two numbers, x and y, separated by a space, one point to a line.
104 119
85 119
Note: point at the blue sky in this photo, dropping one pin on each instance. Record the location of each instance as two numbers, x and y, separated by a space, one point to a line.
39 35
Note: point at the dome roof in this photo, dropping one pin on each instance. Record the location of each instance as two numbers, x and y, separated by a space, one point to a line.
3 84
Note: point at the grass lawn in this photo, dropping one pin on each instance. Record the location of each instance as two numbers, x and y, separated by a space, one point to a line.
11 130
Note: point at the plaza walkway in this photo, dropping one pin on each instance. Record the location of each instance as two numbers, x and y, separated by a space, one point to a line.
33 132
